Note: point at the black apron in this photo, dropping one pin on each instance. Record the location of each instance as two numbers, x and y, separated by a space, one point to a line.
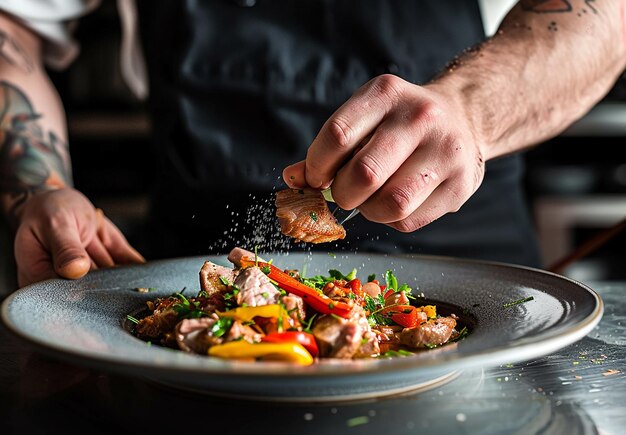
239 89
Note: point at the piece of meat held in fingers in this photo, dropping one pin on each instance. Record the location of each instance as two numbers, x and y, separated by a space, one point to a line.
304 215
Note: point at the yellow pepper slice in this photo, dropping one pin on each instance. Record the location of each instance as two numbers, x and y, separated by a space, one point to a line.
290 352
430 310
246 314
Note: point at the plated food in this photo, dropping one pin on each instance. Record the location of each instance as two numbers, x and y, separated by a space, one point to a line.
303 214
255 311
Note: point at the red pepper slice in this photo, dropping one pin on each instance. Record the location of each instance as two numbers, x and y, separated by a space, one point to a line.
403 315
304 338
356 287
318 301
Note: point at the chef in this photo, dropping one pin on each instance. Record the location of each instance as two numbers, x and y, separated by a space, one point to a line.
416 112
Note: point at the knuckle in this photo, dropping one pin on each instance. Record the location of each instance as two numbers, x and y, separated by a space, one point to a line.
399 202
387 86
459 193
428 112
405 225
368 172
341 133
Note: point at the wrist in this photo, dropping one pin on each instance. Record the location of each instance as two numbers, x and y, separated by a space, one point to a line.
459 98
13 204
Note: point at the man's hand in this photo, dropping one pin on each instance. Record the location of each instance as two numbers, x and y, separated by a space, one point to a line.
61 234
403 154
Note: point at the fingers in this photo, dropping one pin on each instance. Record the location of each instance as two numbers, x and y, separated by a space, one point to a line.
441 201
348 127
294 175
118 250
403 193
375 161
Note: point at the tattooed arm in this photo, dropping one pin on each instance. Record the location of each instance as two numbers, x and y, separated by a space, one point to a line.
548 64
407 154
58 232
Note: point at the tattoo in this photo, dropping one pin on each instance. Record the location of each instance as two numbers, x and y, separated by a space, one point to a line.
13 53
554 6
589 3
546 6
30 162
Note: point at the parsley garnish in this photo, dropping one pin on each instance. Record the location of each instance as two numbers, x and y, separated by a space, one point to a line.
313 216
187 309
517 302
396 353
222 326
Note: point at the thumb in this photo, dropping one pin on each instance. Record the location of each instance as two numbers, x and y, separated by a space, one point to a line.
69 257
72 264
294 175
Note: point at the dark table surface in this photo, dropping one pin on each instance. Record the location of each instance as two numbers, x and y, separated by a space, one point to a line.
580 389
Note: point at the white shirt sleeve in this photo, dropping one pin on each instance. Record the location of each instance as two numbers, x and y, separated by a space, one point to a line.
54 21
493 11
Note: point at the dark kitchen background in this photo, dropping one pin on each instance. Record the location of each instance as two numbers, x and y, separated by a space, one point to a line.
576 182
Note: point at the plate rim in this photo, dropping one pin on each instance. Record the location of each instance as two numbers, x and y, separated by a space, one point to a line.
497 355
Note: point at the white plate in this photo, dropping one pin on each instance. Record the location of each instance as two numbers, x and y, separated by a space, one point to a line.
84 321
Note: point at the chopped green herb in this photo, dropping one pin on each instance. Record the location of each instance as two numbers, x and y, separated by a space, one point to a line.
222 326
332 255
224 281
132 319
313 216
462 334
358 421
266 270
396 353
371 277
392 281
308 323
517 302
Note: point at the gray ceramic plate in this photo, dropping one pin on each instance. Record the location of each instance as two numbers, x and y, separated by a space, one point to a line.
84 321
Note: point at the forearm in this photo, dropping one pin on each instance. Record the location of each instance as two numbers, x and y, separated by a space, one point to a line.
33 139
548 64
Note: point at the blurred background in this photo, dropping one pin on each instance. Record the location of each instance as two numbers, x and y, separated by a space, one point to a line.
576 182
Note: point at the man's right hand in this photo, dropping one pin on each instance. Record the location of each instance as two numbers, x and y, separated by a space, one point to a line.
61 234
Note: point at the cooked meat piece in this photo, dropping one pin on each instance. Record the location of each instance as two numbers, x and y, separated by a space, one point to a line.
195 336
238 330
294 305
387 334
304 215
342 338
369 345
212 276
433 332
335 291
162 320
337 337
236 254
255 288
